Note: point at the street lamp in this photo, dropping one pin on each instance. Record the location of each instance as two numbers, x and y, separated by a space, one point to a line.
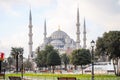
22 65
92 45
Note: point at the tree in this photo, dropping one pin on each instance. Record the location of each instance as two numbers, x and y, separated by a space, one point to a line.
110 46
47 57
27 65
15 52
4 65
100 49
41 59
65 59
11 62
81 57
53 59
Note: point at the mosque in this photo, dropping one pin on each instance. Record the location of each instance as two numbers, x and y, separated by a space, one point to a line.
59 39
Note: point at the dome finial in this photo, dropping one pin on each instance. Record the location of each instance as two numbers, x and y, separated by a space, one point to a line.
59 28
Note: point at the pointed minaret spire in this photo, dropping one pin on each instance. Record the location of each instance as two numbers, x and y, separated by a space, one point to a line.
84 36
30 36
30 18
78 16
78 31
45 31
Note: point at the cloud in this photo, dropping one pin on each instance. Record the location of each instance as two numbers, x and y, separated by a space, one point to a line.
32 3
94 10
9 5
16 40
102 12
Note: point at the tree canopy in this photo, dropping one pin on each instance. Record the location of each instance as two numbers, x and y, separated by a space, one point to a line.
65 60
109 44
81 57
53 58
27 64
15 52
48 57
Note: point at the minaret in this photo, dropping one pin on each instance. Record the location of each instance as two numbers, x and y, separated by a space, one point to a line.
84 36
78 31
45 32
30 36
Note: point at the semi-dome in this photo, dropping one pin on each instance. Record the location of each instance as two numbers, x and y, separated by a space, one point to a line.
57 42
59 35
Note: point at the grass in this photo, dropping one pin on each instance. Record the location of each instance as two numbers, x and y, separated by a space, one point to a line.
55 76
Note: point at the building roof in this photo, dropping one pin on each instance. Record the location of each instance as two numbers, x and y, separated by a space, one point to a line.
59 35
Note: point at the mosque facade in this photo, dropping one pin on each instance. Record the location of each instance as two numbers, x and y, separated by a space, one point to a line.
62 41
59 39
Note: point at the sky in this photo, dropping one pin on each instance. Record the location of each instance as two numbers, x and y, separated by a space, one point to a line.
100 15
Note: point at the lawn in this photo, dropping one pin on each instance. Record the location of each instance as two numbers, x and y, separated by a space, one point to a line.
45 76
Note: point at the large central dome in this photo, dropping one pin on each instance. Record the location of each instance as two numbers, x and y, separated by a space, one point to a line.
60 41
59 35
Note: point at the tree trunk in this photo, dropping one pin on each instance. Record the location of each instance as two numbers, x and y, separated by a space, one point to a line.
49 68
53 67
65 66
114 66
118 72
75 67
16 63
117 67
82 69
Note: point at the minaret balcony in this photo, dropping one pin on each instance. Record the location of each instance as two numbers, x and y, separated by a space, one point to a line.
30 26
84 32
30 34
30 43
78 24
77 32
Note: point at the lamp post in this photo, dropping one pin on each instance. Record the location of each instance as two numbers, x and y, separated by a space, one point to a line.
92 45
22 66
